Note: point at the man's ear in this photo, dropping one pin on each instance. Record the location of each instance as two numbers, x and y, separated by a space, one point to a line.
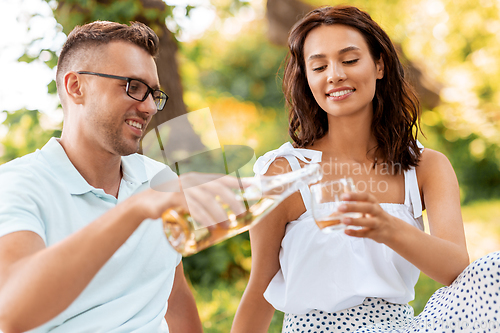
380 68
73 87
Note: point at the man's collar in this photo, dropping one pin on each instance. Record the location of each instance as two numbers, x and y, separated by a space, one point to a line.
133 167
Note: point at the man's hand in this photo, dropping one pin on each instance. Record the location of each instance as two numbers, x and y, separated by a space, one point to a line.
203 196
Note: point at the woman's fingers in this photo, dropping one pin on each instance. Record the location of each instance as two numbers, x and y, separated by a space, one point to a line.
359 196
365 222
361 233
360 207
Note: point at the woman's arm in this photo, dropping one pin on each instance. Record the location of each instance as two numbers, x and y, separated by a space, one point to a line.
182 315
254 313
442 255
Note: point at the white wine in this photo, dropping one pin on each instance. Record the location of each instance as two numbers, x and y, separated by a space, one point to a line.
187 236
187 240
333 221
325 202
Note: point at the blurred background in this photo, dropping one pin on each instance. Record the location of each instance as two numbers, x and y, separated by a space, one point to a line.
227 55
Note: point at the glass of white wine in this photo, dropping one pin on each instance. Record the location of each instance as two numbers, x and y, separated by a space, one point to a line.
325 202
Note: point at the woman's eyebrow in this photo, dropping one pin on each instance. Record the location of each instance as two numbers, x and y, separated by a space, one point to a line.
316 56
348 49
344 50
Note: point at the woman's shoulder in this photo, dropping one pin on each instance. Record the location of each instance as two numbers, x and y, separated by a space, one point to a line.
277 161
278 166
430 159
433 165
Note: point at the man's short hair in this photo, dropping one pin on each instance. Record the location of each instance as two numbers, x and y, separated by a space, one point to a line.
99 33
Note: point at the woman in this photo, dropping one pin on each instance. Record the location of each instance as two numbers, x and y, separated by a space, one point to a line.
352 111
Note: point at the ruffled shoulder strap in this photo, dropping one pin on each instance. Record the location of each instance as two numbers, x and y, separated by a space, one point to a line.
412 191
286 150
293 155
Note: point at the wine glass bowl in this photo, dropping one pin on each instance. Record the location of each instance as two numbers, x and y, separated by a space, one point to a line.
326 198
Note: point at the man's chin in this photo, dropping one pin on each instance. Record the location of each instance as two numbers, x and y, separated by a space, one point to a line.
128 150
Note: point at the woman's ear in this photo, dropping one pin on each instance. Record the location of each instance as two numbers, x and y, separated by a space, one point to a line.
73 87
380 68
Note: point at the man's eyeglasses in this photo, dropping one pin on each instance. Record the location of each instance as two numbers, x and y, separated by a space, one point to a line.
137 89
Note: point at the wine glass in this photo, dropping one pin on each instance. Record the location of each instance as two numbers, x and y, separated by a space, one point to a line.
326 200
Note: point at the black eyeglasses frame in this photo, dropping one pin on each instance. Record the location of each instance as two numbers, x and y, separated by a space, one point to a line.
128 79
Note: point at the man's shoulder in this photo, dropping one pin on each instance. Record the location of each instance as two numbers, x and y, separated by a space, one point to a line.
26 174
29 162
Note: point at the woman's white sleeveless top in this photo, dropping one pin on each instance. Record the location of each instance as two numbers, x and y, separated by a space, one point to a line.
332 272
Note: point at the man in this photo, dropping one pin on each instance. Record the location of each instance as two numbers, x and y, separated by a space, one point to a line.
82 247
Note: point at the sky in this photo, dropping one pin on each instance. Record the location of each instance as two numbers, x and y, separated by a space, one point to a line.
22 21
22 84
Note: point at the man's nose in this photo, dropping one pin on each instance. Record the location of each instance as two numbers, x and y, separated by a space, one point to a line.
148 105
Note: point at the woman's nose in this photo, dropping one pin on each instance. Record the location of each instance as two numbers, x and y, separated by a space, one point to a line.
337 74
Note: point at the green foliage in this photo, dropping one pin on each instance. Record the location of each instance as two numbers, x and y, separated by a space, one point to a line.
217 306
245 67
229 261
486 212
71 13
25 134
52 87
477 169
423 291
26 58
216 69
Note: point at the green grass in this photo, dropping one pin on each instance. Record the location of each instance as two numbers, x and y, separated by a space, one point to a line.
486 212
217 306
424 289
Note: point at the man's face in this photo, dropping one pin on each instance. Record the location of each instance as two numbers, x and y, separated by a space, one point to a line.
113 121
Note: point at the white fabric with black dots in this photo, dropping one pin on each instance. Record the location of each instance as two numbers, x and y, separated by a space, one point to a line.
471 304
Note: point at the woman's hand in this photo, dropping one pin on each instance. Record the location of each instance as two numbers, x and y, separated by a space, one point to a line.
376 223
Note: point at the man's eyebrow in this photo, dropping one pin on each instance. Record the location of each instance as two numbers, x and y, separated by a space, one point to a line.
156 86
344 50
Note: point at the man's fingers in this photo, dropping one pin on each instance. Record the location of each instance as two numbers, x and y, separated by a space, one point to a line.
200 214
194 179
226 197
212 195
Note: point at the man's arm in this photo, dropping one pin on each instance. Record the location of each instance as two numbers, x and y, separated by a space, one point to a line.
182 314
37 282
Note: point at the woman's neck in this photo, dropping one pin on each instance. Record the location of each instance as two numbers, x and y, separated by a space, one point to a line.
348 138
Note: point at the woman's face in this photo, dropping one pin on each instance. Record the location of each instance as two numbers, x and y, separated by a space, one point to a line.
340 70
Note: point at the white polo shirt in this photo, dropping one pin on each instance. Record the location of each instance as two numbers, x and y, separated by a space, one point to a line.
44 193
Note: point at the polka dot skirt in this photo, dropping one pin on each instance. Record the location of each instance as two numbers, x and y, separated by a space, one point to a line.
470 304
373 310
